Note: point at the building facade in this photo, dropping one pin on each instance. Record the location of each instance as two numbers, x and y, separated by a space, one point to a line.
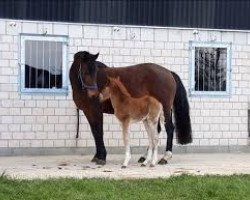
214 65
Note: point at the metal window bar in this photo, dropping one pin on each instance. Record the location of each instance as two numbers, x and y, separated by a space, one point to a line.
36 81
43 67
49 58
55 65
209 72
203 69
30 57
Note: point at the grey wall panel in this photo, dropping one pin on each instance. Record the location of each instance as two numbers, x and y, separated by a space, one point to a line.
220 14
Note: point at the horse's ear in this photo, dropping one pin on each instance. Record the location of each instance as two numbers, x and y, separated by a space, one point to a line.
95 57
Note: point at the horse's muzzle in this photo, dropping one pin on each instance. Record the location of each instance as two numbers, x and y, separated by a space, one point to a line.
92 93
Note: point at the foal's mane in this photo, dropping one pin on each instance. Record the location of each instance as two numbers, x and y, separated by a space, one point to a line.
116 84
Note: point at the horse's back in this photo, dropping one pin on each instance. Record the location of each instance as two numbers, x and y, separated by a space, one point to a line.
147 79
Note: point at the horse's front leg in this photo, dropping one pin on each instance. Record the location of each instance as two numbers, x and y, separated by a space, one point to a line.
95 119
126 138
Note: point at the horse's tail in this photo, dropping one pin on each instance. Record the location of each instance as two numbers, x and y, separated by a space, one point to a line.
181 113
161 119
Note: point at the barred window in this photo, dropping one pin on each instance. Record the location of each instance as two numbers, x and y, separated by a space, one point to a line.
210 68
43 61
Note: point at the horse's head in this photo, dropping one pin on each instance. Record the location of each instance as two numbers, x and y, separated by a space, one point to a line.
87 71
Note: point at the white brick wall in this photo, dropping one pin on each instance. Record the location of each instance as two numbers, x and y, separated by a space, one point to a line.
50 121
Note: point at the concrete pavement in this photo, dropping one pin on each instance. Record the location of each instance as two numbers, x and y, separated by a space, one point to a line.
81 167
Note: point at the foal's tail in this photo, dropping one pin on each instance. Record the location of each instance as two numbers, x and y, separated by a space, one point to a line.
181 113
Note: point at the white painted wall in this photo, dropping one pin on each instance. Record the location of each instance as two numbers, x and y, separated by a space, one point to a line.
50 121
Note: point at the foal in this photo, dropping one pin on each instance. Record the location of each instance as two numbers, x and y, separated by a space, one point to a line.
128 110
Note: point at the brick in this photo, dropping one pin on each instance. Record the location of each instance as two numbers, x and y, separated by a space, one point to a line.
119 35
19 119
48 143
90 32
25 111
70 143
7 39
45 27
75 31
59 143
240 38
26 127
174 35
14 127
42 103
17 135
6 135
2 27
41 135
36 143
105 32
147 34
13 143
28 27
161 35
29 119
3 143
60 29
133 34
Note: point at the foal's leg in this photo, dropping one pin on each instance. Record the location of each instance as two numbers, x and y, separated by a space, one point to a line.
155 140
125 133
150 147
169 126
143 158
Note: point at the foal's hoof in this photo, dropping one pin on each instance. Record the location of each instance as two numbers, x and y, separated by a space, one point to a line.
124 167
143 165
100 162
163 162
141 159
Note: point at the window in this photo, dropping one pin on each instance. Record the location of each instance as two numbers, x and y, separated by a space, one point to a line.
43 62
210 68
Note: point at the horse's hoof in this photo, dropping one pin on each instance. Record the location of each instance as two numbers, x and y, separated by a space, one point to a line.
124 167
151 165
163 162
100 162
95 159
141 159
143 165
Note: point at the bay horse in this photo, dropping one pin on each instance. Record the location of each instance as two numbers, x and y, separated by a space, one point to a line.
89 76
129 110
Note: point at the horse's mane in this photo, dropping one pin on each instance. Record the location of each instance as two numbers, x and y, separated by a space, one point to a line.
118 85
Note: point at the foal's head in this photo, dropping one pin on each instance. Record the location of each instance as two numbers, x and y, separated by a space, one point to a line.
115 87
85 63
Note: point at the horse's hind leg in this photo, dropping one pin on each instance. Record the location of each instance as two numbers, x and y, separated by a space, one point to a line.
170 134
125 133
